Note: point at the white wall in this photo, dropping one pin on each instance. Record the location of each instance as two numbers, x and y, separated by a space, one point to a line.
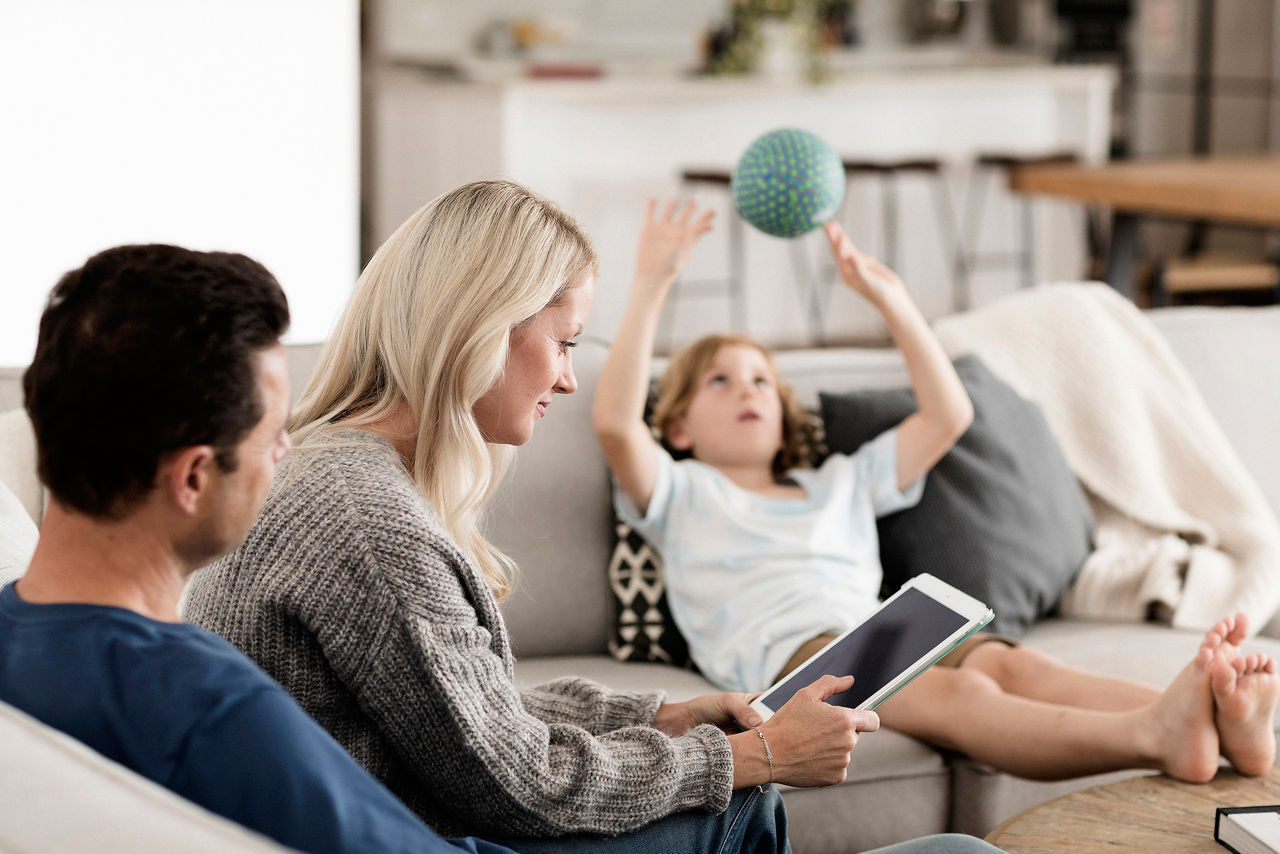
216 125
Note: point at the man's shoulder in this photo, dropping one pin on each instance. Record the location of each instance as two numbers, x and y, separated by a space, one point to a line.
105 674
180 660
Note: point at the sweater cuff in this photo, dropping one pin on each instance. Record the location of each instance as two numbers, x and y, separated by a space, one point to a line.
705 753
631 708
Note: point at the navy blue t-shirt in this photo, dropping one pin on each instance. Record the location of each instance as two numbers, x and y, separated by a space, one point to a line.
187 710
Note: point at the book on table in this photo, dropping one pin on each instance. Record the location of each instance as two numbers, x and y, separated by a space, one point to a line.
1248 830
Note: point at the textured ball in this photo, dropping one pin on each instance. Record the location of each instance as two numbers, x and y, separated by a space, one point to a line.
788 182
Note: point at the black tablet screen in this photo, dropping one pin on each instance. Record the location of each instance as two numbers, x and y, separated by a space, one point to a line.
890 641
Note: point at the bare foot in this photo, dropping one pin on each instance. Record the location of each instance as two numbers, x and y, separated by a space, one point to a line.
1224 639
1185 737
1244 697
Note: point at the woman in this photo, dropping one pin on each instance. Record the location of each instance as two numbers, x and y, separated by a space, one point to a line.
367 589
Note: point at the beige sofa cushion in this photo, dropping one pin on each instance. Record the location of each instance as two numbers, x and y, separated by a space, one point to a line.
18 536
1233 355
18 461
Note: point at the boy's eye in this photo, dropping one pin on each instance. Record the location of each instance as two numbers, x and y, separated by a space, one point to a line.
717 380
763 382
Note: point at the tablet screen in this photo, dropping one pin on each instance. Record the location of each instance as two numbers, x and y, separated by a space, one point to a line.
889 642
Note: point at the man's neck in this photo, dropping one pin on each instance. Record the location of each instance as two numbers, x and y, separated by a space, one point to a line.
85 560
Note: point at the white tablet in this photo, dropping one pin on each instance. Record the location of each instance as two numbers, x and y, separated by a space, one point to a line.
908 633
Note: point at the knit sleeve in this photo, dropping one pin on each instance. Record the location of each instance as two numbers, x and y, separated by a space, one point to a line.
447 703
411 631
593 707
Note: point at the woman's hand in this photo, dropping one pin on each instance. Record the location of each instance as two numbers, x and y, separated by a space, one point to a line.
667 240
811 740
863 274
730 712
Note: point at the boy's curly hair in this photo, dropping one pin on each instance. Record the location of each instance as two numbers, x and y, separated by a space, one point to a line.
679 384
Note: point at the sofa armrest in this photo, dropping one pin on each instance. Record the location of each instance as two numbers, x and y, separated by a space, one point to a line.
60 796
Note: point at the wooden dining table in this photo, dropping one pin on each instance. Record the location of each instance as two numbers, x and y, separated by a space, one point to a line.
1239 190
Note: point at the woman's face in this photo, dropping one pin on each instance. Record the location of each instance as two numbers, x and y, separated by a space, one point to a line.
539 366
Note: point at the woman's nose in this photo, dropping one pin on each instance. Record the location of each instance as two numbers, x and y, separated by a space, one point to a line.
568 383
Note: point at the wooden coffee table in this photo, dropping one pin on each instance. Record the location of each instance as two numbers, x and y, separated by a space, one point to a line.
1151 813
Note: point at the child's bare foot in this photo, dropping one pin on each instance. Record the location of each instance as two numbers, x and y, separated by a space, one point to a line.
1186 739
1225 638
1244 698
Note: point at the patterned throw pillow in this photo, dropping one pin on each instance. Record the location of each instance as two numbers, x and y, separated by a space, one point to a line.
643 629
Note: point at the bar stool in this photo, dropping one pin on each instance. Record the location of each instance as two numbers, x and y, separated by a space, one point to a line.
731 287
1221 275
988 167
888 172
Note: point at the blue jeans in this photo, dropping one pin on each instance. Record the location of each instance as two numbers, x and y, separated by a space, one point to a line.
943 843
754 823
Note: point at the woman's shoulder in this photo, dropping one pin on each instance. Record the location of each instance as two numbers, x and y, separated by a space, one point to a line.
344 508
338 469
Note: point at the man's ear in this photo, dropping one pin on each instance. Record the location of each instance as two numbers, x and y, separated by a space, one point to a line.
677 437
187 476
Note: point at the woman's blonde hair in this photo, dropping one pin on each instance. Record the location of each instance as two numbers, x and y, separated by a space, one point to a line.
429 325
679 384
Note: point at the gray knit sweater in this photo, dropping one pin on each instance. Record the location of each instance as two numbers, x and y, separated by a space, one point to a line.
349 592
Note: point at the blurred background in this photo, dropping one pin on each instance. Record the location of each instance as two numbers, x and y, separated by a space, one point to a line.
303 131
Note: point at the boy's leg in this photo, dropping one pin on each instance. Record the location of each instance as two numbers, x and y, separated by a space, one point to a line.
964 709
754 823
1033 674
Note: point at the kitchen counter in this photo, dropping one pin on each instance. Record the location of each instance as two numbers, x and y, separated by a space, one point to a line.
601 147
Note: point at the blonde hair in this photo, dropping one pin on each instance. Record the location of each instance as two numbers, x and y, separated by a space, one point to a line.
429 326
679 384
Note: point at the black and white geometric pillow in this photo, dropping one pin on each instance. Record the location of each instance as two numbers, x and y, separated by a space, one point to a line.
643 629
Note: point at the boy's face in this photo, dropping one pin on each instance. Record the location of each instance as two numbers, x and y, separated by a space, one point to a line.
735 414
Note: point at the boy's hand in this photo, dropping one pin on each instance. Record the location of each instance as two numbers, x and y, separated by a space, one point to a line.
862 273
730 712
667 240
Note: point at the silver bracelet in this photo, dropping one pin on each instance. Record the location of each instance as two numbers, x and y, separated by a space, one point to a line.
768 754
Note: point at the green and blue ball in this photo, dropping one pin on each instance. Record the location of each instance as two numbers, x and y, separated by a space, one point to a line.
788 182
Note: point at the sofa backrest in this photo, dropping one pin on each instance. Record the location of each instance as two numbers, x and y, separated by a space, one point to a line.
552 514
1233 355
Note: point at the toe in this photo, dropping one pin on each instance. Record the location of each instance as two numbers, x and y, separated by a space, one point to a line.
1222 677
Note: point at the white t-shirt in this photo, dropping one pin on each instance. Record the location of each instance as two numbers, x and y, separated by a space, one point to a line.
751 578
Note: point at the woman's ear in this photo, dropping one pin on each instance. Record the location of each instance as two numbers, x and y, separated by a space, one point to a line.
188 477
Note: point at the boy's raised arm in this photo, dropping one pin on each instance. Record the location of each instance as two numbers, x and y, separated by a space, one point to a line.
945 410
617 414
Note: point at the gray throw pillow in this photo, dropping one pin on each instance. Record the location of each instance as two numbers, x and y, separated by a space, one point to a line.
1002 517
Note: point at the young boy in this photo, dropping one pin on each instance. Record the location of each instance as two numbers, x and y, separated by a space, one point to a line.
765 562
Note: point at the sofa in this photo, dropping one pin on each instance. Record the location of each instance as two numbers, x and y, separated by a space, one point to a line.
553 516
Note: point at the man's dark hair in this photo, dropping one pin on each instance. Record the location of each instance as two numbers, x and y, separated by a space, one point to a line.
142 351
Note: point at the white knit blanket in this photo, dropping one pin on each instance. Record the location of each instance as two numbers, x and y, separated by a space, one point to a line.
1178 520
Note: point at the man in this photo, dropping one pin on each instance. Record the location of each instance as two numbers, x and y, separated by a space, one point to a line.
159 393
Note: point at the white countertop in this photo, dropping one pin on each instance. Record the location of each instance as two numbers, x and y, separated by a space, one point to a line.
989 71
